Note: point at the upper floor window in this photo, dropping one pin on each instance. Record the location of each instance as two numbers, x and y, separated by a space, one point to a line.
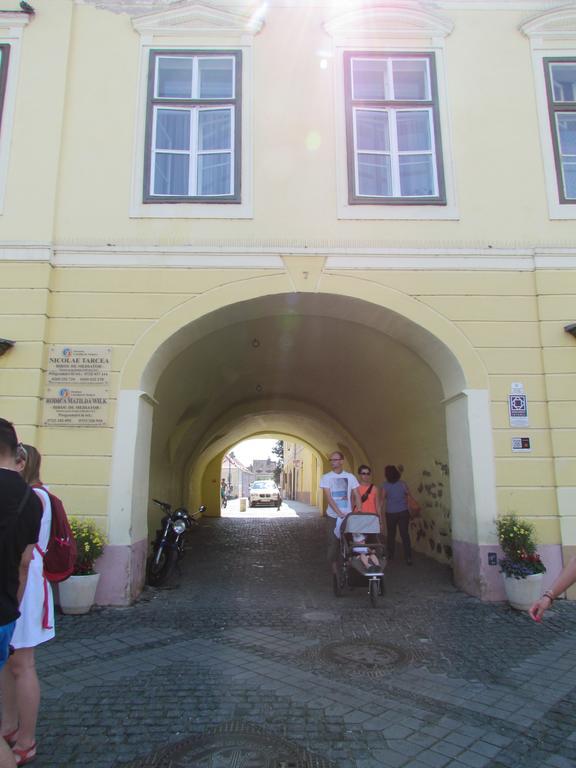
4 56
561 90
193 127
393 129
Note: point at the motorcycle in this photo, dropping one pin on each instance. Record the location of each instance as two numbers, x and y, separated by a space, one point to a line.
168 546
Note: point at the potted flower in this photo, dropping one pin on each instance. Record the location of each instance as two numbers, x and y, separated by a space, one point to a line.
78 591
521 566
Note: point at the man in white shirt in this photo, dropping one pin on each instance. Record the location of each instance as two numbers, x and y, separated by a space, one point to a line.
339 487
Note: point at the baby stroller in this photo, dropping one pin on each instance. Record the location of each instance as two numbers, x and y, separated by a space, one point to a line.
351 571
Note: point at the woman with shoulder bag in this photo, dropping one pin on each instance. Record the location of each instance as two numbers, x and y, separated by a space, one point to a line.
398 502
368 492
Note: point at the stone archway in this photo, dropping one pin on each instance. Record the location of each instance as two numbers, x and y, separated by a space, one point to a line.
183 340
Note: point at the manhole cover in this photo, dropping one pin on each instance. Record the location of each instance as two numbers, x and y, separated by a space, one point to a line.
233 745
365 655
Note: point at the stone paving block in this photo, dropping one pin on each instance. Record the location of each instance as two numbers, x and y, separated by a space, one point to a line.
557 761
416 764
473 759
460 739
445 748
388 758
497 739
404 747
434 759
485 748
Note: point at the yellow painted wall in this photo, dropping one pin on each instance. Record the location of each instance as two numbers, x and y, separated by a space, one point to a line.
68 191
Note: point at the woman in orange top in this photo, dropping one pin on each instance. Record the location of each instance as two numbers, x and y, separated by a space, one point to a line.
368 492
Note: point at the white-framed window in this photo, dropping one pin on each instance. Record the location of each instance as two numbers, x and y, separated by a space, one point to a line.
560 74
393 139
193 130
393 131
12 26
552 36
193 143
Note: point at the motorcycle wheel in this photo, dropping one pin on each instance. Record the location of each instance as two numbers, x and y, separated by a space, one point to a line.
159 568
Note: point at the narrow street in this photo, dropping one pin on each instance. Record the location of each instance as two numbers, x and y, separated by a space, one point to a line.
246 659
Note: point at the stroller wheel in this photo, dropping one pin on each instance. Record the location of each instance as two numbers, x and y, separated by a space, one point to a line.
375 591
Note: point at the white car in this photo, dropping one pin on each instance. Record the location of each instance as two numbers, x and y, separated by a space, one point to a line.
264 492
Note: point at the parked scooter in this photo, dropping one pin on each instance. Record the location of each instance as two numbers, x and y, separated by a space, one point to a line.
168 546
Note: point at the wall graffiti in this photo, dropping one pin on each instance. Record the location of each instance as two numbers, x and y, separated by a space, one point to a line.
432 532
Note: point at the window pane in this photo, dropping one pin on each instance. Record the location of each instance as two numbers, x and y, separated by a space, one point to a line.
374 175
171 174
369 79
569 174
174 77
173 129
214 172
214 129
563 81
567 133
413 131
216 78
372 131
411 79
416 175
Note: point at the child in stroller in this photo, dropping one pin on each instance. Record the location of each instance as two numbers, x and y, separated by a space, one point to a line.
361 560
366 555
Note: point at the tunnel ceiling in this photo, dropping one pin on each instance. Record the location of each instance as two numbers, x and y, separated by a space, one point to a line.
296 352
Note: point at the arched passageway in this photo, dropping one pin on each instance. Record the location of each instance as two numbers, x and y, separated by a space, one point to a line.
331 371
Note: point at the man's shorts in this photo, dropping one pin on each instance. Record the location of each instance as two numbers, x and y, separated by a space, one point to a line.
6 632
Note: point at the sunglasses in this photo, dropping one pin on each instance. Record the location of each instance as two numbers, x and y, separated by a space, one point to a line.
365 473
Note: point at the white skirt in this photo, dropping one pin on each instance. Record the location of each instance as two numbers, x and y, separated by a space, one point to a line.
38 599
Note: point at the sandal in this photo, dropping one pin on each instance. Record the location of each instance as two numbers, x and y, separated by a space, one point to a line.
25 756
10 738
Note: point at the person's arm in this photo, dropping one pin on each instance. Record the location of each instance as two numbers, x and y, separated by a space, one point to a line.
565 580
331 503
25 561
357 499
379 501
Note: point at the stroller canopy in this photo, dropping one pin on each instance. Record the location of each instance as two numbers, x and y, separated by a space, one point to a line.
361 523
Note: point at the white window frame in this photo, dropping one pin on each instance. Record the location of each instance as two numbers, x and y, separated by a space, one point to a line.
193 152
11 29
552 35
394 153
388 31
198 28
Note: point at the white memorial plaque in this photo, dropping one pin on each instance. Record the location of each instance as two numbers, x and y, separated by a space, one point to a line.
77 382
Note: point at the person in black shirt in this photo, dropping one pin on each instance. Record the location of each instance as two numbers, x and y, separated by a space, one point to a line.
20 517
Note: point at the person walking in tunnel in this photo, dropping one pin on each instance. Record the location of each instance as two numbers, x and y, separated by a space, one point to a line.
394 495
340 490
369 495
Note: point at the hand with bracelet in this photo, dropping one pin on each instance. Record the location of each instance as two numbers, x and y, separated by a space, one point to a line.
565 580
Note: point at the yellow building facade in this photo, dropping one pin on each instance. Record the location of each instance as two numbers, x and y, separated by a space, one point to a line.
348 224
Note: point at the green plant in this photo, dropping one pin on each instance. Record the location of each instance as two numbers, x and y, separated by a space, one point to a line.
90 543
517 539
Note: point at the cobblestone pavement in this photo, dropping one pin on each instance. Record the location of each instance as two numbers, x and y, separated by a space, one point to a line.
247 659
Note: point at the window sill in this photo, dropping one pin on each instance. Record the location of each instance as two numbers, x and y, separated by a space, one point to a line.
558 211
191 211
400 212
